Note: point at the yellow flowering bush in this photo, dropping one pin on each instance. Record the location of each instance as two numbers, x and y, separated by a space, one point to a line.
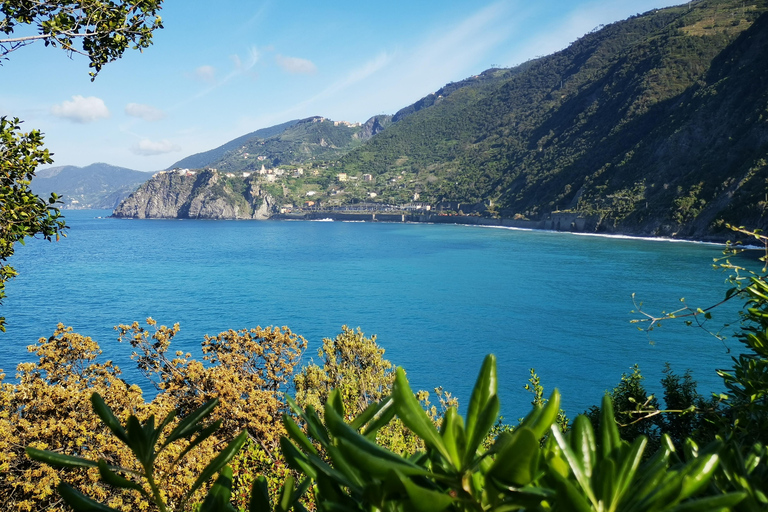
49 409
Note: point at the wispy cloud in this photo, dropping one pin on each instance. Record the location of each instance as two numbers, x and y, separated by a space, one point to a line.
205 74
145 112
393 79
81 110
146 147
296 65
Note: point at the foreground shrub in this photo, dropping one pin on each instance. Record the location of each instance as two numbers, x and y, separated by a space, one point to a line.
48 409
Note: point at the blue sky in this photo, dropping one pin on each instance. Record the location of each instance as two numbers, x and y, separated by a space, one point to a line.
215 73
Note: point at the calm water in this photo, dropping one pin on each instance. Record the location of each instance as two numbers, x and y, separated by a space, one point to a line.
439 297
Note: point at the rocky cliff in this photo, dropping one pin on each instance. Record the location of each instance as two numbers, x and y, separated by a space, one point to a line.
197 195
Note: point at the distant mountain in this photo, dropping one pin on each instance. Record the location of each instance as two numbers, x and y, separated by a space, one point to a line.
654 125
99 186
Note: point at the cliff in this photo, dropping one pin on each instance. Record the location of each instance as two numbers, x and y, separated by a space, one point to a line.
196 195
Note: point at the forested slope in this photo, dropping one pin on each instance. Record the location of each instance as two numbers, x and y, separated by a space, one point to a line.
654 124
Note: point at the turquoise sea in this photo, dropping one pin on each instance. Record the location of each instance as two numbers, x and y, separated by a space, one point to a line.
438 297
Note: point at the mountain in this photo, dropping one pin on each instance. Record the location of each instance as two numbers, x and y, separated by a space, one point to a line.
293 143
654 125
208 158
99 185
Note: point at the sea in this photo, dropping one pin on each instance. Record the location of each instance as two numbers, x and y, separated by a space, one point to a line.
438 298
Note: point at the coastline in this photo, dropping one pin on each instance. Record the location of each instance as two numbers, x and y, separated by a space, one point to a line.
557 223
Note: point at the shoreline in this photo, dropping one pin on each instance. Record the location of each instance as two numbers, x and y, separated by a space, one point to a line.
566 222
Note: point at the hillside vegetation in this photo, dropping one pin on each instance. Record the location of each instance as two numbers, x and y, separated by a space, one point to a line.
655 125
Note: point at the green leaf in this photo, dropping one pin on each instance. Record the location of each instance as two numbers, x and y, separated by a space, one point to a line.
217 499
297 435
485 421
517 462
582 440
414 417
426 500
382 417
59 460
712 503
79 501
628 468
541 418
221 460
105 413
698 474
575 464
189 425
609 432
115 480
285 500
452 433
486 386
199 438
260 501
296 459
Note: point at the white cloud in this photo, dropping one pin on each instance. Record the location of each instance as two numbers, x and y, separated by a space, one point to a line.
81 110
145 112
146 147
296 65
205 74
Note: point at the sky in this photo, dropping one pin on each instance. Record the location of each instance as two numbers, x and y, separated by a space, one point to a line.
220 70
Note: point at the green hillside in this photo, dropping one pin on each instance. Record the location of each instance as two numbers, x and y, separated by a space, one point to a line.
654 123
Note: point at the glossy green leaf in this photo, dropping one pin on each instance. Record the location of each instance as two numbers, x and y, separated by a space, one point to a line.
568 497
413 416
452 433
295 433
574 464
517 462
260 501
190 424
221 460
285 499
609 432
582 441
105 413
59 459
486 386
712 503
138 441
79 501
627 468
383 416
370 412
296 459
335 402
115 480
217 499
546 416
426 500
485 421
371 463
698 474
200 437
